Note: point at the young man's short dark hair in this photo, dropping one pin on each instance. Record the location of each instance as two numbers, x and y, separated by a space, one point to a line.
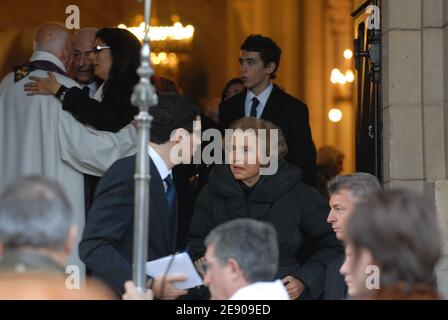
268 49
173 111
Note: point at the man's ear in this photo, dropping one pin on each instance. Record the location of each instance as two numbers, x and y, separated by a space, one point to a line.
271 67
234 266
71 239
67 56
178 135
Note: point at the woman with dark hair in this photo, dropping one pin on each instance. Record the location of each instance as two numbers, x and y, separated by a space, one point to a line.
393 246
233 87
251 187
116 57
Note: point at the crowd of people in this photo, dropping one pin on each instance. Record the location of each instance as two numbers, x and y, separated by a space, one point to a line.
303 232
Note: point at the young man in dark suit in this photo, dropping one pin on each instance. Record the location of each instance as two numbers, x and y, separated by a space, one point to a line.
259 61
107 243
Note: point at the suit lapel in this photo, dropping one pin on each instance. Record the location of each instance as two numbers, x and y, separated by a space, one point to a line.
159 201
270 107
241 110
176 218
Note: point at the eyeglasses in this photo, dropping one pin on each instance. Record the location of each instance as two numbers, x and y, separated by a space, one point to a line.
205 265
97 49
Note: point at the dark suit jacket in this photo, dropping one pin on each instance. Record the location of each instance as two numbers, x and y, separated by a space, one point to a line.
335 287
107 242
288 113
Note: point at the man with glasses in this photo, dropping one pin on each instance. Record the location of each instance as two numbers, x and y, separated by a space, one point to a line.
240 263
83 47
345 193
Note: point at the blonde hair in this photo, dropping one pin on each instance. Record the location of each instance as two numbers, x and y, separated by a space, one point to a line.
255 124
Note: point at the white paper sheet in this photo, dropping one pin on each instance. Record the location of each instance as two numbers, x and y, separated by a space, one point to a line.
181 264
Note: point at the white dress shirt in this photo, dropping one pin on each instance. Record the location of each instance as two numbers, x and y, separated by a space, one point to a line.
98 96
92 88
160 165
262 98
262 291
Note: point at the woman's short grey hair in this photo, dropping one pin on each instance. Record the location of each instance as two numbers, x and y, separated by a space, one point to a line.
359 184
402 234
253 244
35 213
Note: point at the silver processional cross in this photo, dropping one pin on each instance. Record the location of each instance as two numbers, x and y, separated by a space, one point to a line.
144 97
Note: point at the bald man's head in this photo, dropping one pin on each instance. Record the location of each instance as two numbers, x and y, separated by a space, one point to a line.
82 50
55 39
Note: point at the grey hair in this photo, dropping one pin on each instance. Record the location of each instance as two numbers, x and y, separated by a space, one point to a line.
253 244
359 184
34 212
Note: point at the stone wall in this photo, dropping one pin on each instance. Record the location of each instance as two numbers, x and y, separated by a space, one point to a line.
414 99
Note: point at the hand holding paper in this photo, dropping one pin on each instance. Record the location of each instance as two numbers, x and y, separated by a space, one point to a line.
181 265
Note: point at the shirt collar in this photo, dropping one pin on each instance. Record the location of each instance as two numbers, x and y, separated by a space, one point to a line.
91 85
262 97
43 55
92 88
98 96
159 163
262 291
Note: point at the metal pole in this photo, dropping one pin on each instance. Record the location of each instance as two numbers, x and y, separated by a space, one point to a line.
144 97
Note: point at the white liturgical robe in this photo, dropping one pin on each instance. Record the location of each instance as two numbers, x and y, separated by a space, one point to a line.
38 138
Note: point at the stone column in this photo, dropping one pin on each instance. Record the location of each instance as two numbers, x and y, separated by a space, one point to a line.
314 72
435 116
414 103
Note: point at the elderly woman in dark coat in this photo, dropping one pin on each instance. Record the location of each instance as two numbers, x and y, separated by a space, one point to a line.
296 210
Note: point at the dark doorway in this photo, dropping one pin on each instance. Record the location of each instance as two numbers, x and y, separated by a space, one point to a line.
368 65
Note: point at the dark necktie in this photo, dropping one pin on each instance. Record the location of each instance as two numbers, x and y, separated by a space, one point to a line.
86 90
170 192
253 110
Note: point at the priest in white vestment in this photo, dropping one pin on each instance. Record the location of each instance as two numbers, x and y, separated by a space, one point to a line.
38 138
